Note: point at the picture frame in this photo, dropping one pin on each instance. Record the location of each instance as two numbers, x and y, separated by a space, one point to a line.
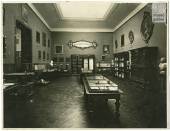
44 39
44 54
116 44
39 55
106 49
122 40
61 59
37 37
49 42
103 57
59 49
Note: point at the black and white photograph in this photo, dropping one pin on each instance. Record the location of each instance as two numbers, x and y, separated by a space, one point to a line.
85 65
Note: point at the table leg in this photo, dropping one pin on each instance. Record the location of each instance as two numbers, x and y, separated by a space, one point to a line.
117 103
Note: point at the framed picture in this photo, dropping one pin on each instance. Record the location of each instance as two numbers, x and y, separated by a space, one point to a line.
44 39
43 55
48 43
39 55
116 44
103 57
122 40
106 49
37 37
59 49
61 59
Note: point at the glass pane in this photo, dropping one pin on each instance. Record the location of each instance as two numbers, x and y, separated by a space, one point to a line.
91 64
85 64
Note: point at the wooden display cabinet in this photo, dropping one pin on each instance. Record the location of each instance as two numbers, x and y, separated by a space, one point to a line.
120 65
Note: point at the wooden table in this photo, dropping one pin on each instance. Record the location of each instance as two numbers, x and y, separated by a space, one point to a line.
92 81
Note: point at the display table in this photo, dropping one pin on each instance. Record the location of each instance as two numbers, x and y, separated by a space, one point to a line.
99 86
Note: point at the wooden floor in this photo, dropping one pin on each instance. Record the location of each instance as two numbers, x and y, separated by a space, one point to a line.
61 104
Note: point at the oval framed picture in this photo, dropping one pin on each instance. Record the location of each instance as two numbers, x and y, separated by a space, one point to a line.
146 27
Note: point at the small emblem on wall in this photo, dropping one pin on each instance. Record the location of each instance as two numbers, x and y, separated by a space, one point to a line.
82 44
146 27
131 37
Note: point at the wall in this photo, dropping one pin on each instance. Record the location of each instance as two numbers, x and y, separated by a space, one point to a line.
157 39
62 38
13 12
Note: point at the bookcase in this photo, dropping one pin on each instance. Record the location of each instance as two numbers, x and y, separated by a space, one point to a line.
144 64
120 65
138 65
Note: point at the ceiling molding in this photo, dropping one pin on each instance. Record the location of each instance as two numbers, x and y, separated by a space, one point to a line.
134 12
38 14
81 30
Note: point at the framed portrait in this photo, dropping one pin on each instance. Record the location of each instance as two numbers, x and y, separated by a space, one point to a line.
48 42
43 55
37 37
44 39
103 57
116 44
122 40
61 59
59 49
106 49
39 55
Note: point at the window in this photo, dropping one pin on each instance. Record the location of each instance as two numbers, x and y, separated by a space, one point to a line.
48 43
116 44
122 40
59 49
39 55
43 55
43 39
37 37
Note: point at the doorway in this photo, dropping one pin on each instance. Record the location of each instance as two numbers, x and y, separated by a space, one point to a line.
85 62
23 50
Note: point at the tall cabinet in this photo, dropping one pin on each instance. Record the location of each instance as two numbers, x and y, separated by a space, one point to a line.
139 65
144 64
120 65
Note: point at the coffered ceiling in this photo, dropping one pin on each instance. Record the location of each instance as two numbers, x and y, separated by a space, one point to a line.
65 16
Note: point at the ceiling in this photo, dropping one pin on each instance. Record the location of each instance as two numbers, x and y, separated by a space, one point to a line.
84 11
110 16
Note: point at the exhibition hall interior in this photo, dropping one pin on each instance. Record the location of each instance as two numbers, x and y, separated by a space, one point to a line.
84 64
